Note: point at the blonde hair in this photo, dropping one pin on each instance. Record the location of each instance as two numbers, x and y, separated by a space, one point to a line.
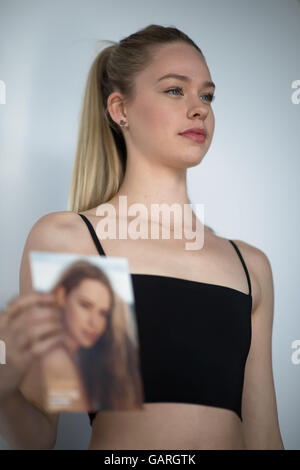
100 159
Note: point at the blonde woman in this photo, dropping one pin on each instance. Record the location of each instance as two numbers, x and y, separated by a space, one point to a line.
205 316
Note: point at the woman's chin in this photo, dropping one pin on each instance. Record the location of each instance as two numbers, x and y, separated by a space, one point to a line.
188 161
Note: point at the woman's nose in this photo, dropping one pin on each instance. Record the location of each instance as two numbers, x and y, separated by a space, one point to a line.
94 320
199 109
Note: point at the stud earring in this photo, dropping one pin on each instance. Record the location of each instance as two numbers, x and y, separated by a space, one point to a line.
122 123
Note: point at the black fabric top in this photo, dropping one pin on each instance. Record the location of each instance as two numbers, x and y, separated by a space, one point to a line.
194 338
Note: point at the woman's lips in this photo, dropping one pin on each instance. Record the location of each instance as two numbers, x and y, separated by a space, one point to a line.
195 137
89 336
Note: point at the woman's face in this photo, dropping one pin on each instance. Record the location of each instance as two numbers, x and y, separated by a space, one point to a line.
157 115
86 308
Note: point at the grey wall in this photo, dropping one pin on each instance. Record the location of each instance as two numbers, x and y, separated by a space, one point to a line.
248 181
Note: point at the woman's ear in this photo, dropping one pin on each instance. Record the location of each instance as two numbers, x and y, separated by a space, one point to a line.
115 107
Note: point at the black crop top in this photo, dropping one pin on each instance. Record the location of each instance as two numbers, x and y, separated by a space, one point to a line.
194 338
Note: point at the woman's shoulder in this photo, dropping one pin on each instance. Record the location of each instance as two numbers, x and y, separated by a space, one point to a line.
259 268
56 230
57 219
255 255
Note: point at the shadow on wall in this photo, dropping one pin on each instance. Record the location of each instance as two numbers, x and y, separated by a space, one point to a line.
73 432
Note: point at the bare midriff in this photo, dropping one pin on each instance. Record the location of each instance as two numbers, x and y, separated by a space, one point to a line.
168 426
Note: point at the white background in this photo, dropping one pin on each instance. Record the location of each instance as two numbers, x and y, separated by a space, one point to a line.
248 181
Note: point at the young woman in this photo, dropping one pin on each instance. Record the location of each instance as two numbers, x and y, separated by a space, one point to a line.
204 316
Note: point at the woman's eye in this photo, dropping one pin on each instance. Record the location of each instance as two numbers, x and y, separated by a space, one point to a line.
174 89
83 304
210 96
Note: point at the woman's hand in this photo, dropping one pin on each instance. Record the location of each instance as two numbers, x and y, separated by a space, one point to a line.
30 326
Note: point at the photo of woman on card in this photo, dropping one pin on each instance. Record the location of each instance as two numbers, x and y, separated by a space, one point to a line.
97 365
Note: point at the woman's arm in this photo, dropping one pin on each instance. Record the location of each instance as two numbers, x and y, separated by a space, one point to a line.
24 426
259 409
23 422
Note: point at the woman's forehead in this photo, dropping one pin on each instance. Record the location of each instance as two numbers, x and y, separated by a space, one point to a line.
176 60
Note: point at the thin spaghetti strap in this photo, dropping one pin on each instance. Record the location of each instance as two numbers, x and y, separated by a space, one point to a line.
243 263
93 234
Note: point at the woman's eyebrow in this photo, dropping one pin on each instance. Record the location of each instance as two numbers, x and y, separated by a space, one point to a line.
186 79
90 302
85 298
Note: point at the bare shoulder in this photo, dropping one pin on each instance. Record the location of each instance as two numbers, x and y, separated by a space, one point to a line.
260 271
250 253
57 220
55 231
256 257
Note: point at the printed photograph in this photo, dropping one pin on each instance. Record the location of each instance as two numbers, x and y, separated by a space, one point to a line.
96 366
